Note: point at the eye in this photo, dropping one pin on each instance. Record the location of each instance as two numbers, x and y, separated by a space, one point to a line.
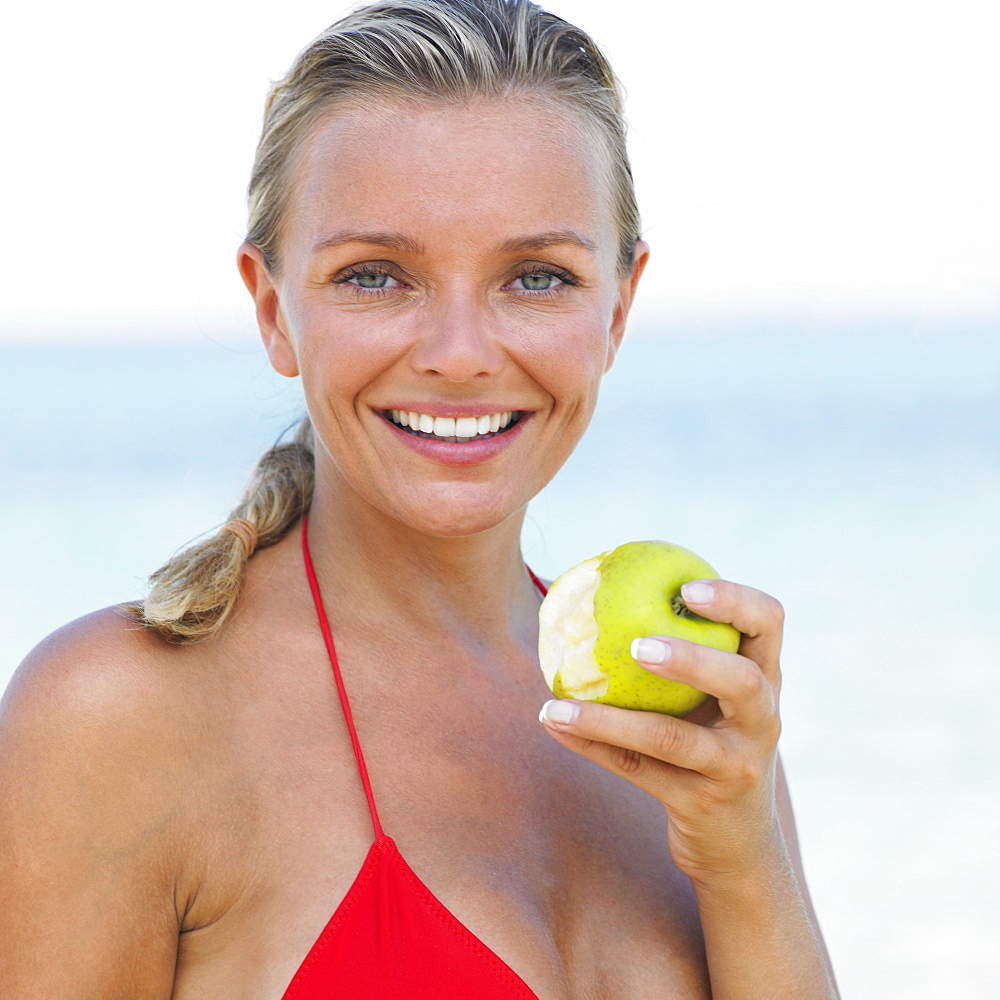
367 279
540 281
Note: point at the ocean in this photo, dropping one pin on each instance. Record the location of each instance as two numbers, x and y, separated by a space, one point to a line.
850 468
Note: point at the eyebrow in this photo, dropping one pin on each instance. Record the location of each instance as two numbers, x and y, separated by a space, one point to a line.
397 241
560 237
393 241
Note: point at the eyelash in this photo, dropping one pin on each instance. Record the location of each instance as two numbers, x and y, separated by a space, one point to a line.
557 272
344 278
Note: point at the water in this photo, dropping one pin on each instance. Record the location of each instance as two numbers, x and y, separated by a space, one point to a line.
854 473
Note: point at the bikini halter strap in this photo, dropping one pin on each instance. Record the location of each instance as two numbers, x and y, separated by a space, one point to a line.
324 625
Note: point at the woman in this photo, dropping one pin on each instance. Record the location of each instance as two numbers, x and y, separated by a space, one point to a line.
444 245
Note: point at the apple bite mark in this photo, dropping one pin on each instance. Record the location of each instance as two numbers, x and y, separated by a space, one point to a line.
568 634
456 430
593 612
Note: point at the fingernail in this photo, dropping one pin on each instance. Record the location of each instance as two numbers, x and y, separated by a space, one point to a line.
697 593
563 712
650 650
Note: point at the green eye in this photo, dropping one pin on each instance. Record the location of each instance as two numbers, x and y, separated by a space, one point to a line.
371 280
538 281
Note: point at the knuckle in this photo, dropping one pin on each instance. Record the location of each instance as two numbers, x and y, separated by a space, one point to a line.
667 740
776 611
747 773
626 761
747 680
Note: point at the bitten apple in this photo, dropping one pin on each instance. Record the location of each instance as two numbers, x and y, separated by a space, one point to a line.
593 611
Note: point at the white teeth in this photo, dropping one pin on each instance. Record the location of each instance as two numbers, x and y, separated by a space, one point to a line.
461 428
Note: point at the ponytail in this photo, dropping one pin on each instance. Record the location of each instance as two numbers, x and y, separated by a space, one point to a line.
194 593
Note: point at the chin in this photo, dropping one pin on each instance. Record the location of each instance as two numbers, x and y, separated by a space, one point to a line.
459 519
460 527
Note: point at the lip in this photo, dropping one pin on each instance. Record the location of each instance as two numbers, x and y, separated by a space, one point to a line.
451 452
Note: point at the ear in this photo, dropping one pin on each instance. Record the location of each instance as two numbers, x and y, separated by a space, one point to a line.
626 293
273 328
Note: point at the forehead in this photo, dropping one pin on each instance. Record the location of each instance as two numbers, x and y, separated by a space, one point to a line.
476 170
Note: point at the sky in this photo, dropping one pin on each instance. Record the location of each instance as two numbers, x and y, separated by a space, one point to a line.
791 158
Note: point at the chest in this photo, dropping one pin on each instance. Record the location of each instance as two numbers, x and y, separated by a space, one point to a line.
557 866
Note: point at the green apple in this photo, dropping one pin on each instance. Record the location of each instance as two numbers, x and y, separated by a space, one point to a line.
593 611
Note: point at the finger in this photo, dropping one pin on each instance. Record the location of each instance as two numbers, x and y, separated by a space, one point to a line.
757 615
663 781
739 684
632 743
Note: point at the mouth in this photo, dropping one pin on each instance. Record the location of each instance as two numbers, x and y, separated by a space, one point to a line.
456 430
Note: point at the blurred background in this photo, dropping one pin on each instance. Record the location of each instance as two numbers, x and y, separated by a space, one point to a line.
808 395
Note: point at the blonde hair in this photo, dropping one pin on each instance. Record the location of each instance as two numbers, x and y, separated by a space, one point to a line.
430 50
439 50
195 592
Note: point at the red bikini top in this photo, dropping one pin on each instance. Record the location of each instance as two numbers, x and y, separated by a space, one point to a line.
391 938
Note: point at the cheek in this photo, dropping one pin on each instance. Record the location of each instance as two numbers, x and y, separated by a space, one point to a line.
341 353
569 358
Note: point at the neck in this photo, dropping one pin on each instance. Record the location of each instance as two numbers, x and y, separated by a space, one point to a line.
375 568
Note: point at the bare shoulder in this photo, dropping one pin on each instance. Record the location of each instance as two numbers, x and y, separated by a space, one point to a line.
89 767
107 718
95 692
98 656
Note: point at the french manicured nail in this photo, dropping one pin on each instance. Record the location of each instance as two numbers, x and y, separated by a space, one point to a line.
559 711
697 593
650 650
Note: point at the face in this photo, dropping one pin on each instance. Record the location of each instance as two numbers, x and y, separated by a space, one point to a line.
448 292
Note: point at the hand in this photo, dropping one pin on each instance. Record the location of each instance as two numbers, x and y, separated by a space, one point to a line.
715 770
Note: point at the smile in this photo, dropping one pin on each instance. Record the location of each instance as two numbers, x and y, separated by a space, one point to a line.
453 429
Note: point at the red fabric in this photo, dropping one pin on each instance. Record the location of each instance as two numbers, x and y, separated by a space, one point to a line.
391 938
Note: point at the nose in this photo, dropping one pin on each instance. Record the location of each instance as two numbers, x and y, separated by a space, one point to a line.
457 340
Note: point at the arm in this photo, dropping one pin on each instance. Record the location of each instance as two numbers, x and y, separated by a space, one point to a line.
87 906
761 933
729 820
